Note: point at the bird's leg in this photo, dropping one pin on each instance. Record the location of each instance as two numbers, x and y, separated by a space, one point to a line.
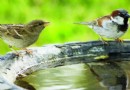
15 51
28 51
103 40
119 40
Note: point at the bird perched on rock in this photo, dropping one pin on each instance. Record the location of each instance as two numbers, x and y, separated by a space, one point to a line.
111 26
22 35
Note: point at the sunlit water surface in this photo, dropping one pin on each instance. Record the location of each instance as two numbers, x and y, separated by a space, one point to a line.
71 77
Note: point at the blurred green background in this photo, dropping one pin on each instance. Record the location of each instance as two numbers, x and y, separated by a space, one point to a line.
62 14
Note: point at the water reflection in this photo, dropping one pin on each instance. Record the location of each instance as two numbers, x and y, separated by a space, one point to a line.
71 77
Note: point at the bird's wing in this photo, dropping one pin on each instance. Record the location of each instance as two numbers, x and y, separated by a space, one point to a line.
10 27
107 23
103 20
98 22
15 31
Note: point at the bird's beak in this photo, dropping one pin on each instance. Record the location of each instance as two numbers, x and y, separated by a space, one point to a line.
46 23
84 23
127 15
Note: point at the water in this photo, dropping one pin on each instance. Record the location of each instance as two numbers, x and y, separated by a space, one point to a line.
71 77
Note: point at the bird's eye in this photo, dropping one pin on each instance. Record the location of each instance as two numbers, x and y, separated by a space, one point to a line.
41 23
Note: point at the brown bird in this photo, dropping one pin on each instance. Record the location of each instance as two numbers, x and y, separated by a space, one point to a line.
111 26
22 35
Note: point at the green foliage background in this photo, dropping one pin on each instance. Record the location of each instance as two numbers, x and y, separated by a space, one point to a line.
62 14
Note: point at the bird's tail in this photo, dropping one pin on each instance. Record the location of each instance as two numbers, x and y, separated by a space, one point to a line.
83 23
89 24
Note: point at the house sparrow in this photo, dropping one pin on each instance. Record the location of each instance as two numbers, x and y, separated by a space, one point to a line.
112 26
20 35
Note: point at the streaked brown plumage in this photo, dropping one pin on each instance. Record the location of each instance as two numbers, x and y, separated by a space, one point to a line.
22 35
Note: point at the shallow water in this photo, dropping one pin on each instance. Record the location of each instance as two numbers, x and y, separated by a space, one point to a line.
71 77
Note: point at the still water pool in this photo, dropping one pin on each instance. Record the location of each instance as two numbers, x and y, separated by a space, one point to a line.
71 77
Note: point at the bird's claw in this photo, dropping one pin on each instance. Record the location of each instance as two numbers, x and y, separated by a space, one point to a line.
28 51
104 41
119 40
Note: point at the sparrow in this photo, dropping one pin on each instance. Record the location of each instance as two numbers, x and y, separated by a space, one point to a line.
111 26
22 35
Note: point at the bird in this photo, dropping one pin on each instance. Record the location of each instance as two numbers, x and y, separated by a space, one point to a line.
22 35
111 26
